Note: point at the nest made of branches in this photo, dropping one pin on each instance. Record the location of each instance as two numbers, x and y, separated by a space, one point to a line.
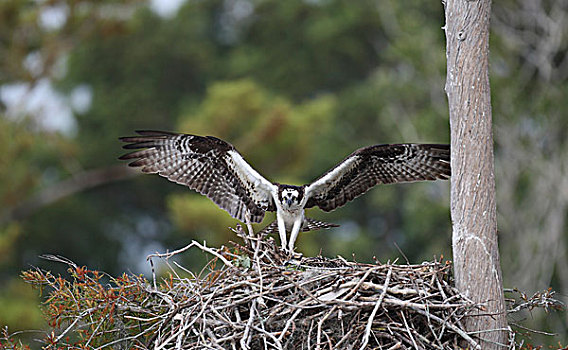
261 299
253 296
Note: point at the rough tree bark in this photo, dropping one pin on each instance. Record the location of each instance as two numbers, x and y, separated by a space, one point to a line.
473 209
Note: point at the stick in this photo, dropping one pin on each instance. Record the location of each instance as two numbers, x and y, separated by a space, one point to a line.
193 243
245 339
289 323
320 323
450 326
375 309
408 331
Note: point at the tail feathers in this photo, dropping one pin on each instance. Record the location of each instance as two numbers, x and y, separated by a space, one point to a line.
314 225
271 228
309 225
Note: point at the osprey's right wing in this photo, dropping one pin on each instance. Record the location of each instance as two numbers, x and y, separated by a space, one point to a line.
206 164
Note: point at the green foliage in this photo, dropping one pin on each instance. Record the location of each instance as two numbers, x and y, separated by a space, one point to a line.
198 215
20 306
22 33
271 132
30 160
299 47
25 157
9 235
138 79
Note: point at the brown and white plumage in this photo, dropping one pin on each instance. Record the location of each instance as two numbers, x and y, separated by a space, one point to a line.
208 165
379 164
214 168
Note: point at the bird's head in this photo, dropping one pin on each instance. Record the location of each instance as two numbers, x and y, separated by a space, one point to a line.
290 196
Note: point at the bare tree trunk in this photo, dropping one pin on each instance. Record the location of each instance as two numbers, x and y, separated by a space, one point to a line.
473 209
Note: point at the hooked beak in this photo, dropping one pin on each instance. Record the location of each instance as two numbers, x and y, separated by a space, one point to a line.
289 201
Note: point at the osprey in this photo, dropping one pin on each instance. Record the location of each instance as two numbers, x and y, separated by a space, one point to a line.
215 169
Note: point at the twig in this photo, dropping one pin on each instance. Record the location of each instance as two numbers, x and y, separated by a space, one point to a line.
256 259
277 343
344 338
464 335
245 339
182 329
288 323
358 285
375 309
320 324
77 319
249 226
534 330
408 331
192 244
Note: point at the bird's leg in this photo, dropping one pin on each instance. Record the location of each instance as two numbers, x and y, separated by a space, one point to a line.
281 231
294 234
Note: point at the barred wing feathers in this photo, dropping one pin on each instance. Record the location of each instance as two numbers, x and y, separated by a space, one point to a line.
379 164
207 165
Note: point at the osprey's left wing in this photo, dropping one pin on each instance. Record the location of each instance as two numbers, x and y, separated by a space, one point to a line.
206 164
379 164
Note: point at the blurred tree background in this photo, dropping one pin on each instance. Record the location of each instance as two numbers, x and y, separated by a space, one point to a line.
295 85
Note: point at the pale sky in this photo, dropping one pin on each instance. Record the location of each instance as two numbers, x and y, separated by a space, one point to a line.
166 8
51 110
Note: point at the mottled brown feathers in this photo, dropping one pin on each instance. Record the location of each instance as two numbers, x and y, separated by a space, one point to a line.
203 164
379 164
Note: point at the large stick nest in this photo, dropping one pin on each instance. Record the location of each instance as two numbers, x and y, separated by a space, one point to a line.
253 296
261 299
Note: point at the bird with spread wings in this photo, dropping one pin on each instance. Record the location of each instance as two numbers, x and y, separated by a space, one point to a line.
215 169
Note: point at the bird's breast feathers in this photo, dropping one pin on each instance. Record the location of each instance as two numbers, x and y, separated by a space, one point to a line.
290 216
